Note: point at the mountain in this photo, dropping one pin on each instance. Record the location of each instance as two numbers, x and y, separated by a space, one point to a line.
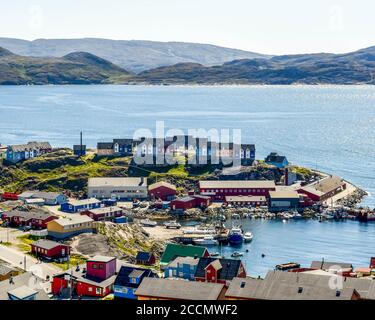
74 68
133 55
323 68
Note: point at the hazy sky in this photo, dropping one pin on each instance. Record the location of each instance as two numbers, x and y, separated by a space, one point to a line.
267 26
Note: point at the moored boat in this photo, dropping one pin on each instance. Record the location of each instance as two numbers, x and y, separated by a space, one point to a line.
172 225
235 236
237 254
206 241
248 237
148 223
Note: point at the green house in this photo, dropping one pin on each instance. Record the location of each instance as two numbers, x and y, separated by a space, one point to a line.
173 251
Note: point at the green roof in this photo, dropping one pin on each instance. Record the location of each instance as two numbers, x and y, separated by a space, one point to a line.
178 250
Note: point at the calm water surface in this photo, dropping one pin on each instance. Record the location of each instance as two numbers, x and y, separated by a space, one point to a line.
324 127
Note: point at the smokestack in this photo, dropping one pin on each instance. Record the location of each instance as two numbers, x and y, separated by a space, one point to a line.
81 143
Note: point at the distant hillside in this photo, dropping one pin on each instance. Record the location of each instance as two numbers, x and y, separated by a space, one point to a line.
134 55
351 68
74 68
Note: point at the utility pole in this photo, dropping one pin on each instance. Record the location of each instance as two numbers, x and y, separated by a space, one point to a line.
24 262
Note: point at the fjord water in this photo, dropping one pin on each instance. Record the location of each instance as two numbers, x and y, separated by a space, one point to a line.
330 128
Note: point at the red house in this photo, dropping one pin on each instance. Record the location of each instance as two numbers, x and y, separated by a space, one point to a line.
189 202
162 190
219 270
104 214
50 249
9 196
35 220
96 280
219 189
372 263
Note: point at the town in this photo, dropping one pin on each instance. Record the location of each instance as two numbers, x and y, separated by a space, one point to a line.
122 237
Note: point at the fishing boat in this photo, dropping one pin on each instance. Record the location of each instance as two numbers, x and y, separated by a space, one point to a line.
297 215
172 225
248 237
214 254
148 223
237 254
206 241
288 266
235 236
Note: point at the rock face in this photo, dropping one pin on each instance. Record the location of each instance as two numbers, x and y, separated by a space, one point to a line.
120 240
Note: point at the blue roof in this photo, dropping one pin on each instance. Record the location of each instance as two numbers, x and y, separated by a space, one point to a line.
123 277
143 256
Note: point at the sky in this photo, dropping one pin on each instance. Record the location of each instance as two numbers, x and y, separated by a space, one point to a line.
265 26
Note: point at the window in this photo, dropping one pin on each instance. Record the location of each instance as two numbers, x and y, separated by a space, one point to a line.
101 266
98 290
90 289
95 266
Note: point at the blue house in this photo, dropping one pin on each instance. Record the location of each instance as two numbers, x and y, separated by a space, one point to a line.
74 206
182 267
276 160
17 153
128 281
79 150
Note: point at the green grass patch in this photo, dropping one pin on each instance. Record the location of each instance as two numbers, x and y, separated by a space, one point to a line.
74 261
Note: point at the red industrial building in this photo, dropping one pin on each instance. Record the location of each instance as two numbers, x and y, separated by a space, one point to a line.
324 188
94 280
190 202
162 190
219 189
50 249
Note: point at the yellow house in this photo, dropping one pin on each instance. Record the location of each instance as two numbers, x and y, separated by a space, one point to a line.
70 226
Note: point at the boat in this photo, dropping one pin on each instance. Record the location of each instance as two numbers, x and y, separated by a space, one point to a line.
206 241
148 223
235 236
199 231
172 225
237 254
297 215
366 216
248 237
288 266
236 216
214 254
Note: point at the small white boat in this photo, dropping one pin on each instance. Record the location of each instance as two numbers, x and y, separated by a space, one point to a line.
237 254
248 236
236 216
214 254
206 241
172 225
148 223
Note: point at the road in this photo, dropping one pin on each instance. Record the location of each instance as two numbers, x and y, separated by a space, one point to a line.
18 259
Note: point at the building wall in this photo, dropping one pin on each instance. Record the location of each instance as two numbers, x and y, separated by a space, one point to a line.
220 194
163 193
101 270
136 192
60 251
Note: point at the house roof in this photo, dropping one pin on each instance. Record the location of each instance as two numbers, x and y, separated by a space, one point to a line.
229 267
101 259
328 265
117 182
126 141
143 256
104 210
272 289
284 194
328 184
173 251
72 219
46 244
179 289
104 145
24 279
275 158
365 287
245 198
28 215
83 202
22 292
236 184
4 269
192 261
184 199
30 146
127 272
162 184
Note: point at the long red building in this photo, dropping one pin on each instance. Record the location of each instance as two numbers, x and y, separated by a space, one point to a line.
219 189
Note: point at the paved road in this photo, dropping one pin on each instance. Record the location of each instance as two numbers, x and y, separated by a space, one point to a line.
18 259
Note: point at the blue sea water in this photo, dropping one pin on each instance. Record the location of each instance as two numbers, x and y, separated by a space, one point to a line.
329 128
